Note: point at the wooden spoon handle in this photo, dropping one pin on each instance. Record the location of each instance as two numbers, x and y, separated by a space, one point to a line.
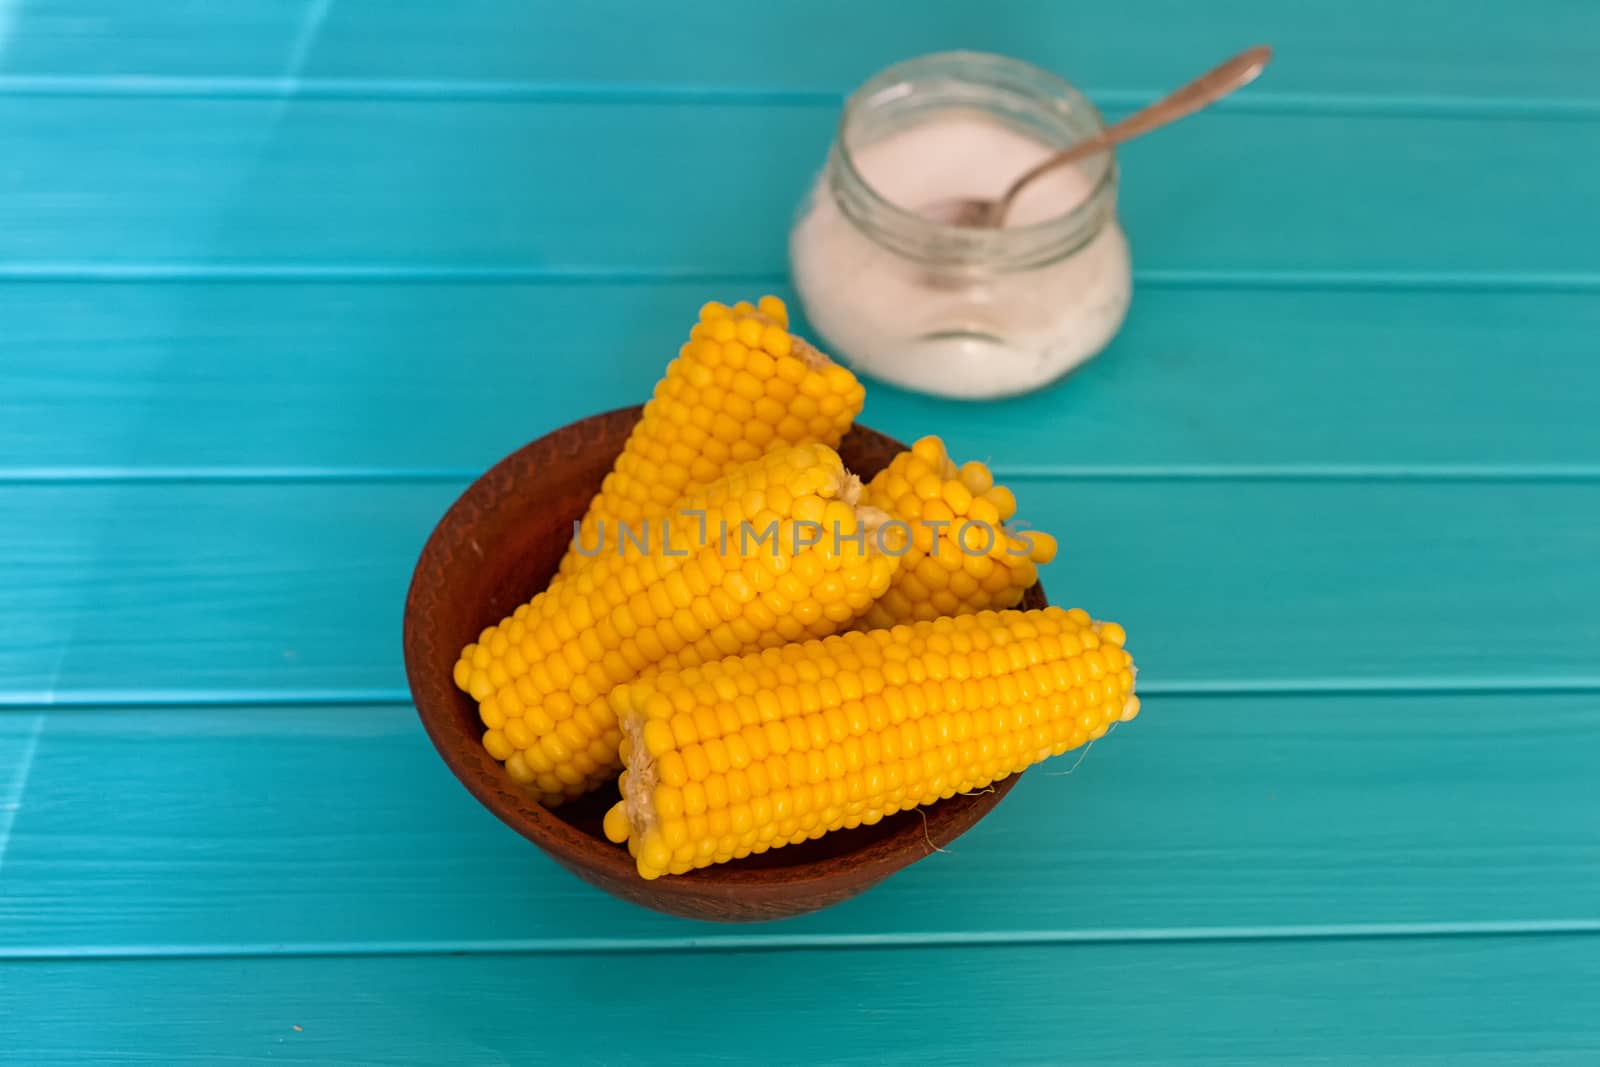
1205 90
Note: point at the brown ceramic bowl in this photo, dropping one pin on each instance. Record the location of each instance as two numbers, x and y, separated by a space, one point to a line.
494 549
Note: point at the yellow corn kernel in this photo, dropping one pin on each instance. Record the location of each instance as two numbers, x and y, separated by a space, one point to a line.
723 401
1004 500
825 778
958 556
579 641
976 477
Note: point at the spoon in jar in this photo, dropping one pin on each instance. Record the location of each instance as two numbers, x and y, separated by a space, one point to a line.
1204 91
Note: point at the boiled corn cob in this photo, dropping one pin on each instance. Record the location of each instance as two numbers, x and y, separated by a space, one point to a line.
960 557
708 588
772 748
741 386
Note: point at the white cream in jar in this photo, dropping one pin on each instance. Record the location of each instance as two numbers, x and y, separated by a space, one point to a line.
961 312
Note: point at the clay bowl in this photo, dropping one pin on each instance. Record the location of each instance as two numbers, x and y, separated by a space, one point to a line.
495 548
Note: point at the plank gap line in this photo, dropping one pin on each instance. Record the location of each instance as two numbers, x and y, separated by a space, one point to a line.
805 942
24 700
1307 472
1293 279
1266 101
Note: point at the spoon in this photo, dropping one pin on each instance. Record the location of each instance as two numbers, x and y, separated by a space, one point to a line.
1205 90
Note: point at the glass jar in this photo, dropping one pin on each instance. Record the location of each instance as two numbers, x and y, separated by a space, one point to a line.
960 311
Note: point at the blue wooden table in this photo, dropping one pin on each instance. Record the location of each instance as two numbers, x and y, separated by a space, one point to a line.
278 277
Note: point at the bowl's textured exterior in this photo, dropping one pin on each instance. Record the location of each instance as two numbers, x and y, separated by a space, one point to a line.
495 548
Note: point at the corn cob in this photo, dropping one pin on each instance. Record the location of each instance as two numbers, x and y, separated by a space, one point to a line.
741 386
541 675
960 558
772 748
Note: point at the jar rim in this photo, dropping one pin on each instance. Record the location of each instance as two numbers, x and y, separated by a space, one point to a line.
1046 89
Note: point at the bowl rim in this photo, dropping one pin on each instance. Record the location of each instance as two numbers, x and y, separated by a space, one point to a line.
487 780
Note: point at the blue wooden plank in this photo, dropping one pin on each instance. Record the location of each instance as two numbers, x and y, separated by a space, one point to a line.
599 188
1146 45
1432 49
338 379
20 734
250 830
1431 1002
155 38
271 591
